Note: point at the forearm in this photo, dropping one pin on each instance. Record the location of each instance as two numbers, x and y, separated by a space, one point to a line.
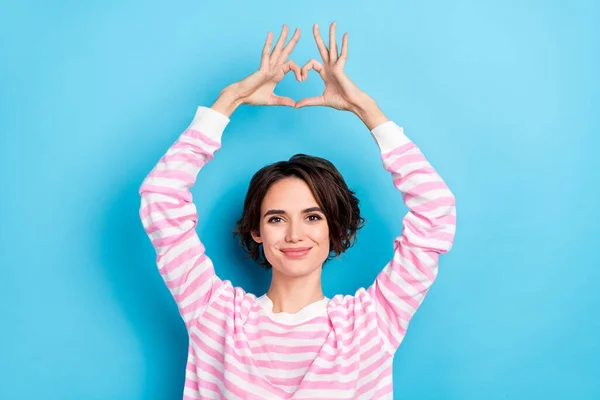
165 191
369 112
430 222
227 102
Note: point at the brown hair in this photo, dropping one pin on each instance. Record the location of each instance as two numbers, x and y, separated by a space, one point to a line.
338 202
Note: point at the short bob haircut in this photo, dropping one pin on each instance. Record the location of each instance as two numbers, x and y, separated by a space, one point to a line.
338 202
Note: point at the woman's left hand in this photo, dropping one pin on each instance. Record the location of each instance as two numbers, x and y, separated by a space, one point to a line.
340 92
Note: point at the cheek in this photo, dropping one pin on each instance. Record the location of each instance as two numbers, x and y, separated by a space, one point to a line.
271 235
320 233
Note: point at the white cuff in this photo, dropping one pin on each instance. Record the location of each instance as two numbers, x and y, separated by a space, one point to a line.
209 122
389 136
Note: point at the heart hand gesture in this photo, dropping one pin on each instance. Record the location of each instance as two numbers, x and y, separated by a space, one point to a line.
340 92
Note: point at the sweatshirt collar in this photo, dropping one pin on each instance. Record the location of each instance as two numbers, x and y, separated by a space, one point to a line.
312 310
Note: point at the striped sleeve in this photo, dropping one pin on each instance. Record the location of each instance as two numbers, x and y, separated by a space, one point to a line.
169 215
428 231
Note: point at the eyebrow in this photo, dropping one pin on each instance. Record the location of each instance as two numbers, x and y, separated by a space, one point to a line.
311 209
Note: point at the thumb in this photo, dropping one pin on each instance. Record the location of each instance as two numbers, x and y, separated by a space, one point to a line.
311 101
281 101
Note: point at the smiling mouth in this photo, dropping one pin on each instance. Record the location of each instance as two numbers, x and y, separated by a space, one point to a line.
293 253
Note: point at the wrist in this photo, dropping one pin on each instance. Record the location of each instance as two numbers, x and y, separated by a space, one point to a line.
369 113
227 102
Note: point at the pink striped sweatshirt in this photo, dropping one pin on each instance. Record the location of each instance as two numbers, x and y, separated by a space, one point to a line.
339 348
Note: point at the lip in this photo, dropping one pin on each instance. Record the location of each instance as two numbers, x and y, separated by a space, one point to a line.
296 252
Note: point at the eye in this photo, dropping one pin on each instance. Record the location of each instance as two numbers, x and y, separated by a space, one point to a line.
311 218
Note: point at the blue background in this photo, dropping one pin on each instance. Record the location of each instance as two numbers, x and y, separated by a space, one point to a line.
501 96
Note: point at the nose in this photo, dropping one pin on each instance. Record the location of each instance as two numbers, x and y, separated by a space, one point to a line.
294 231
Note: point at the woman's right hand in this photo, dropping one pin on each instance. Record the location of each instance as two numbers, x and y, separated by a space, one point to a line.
257 89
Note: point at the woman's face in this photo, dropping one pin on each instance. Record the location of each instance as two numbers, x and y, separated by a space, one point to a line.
293 229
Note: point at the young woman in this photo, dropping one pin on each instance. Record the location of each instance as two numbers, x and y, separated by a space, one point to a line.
293 342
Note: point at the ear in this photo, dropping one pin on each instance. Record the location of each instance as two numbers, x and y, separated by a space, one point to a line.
256 236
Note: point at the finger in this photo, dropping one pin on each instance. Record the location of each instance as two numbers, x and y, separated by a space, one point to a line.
333 51
267 49
344 56
279 44
290 46
282 101
291 65
311 101
320 44
312 64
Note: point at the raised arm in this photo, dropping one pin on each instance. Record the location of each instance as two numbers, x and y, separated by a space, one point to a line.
167 211
428 231
169 216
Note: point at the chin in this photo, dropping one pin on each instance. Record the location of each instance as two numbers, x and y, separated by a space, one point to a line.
295 269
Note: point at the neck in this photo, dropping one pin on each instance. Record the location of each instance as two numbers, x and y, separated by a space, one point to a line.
291 294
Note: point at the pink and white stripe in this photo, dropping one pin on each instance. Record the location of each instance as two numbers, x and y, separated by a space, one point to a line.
341 348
